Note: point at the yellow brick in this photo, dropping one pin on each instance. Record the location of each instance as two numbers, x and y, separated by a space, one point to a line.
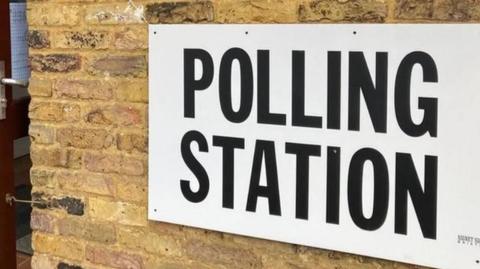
53 14
124 213
156 262
84 138
102 232
55 157
58 246
131 191
50 111
40 87
254 11
114 163
132 91
136 238
86 182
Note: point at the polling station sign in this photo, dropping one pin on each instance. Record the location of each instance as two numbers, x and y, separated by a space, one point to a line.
356 138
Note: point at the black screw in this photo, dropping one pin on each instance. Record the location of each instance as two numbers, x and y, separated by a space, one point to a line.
246 32
155 33
354 32
477 261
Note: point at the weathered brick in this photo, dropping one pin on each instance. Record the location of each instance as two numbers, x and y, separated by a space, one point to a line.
116 115
82 39
42 221
61 247
343 11
86 182
42 261
414 9
124 13
446 10
222 254
457 11
41 134
91 231
56 157
124 213
118 65
52 111
84 138
179 12
114 259
42 178
131 38
83 89
40 87
72 205
114 163
254 11
130 142
39 14
63 265
137 238
38 39
55 63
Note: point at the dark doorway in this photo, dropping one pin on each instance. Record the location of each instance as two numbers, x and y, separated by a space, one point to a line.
22 162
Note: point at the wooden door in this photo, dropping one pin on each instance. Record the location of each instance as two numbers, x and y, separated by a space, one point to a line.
7 212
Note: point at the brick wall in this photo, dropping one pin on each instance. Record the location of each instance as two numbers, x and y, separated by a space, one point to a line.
89 116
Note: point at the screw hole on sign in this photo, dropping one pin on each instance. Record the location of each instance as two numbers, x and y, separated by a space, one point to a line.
246 32
154 210
354 32
154 33
477 261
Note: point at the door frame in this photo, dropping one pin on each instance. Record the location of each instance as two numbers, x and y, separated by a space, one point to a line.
7 212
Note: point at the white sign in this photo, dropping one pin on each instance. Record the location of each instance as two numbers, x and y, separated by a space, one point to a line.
357 138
